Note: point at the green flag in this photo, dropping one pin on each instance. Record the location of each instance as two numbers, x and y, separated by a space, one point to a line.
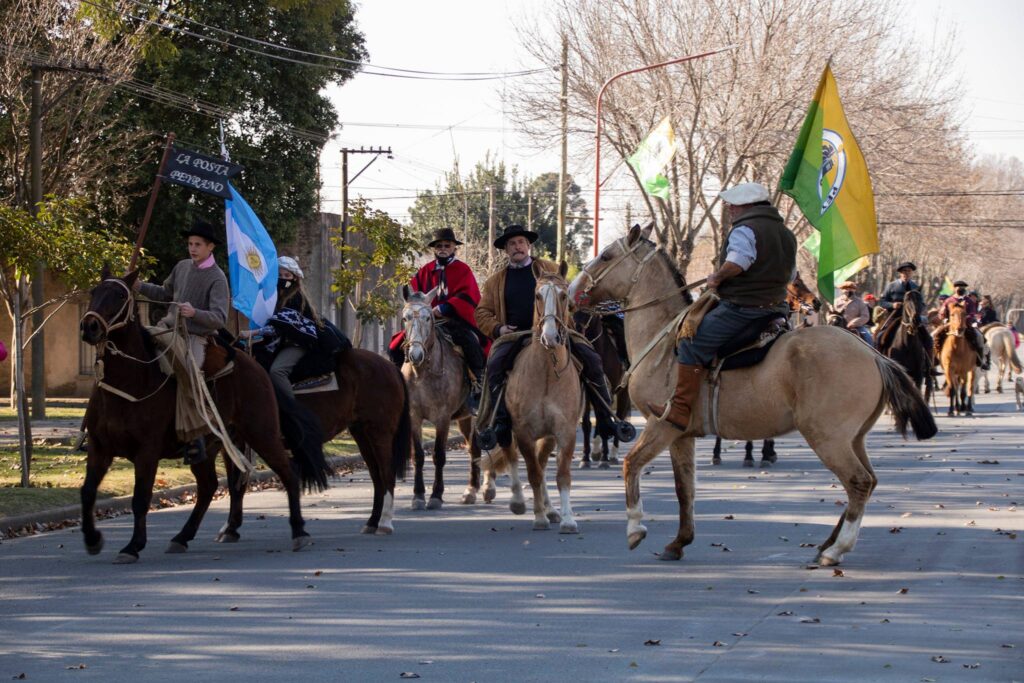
652 155
813 246
827 177
947 287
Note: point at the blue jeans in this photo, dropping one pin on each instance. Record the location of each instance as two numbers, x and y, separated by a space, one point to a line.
718 327
864 334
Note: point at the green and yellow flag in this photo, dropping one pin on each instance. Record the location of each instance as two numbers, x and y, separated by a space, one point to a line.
813 246
652 155
827 177
947 287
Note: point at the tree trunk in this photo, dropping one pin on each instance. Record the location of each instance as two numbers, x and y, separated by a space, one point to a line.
20 399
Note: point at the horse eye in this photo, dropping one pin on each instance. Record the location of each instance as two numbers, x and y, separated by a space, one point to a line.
605 257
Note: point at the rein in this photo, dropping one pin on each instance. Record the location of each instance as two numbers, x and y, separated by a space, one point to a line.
563 333
426 344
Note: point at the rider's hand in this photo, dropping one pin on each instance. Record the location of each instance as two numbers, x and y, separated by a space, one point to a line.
897 304
713 281
506 329
187 310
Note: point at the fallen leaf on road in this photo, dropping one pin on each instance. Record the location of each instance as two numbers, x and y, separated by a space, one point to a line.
614 649
752 591
786 613
884 621
427 662
652 642
76 667
318 572
718 643
988 462
233 609
895 530
939 659
811 566
810 620
729 517
1009 645
409 674
806 545
976 665
739 634
838 572
540 595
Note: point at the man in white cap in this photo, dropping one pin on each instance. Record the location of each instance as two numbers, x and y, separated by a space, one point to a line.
757 261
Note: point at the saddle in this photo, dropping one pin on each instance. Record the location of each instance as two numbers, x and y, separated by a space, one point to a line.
220 356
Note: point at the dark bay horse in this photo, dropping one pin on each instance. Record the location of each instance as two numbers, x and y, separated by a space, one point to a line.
590 325
139 424
900 338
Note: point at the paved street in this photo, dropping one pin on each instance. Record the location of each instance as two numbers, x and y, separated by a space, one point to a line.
933 592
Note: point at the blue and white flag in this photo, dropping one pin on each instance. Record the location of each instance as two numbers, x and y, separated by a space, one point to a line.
252 261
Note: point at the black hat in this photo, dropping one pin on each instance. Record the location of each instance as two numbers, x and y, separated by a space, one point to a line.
960 283
514 231
905 264
203 229
444 235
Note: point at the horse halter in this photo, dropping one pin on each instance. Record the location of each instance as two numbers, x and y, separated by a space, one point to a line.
550 289
417 316
127 309
628 251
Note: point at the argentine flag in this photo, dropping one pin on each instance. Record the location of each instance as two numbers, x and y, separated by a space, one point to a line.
252 261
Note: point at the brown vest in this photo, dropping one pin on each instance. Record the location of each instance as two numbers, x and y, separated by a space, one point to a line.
764 283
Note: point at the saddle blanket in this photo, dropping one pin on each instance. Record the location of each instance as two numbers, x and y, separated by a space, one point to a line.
317 384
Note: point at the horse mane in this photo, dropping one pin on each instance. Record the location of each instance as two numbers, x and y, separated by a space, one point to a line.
677 277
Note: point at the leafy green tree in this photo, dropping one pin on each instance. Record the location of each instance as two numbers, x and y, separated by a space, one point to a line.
276 118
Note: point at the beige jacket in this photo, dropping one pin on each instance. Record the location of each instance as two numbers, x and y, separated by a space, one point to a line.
490 314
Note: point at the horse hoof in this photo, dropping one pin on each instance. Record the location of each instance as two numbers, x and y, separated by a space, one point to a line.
603 465
568 528
96 547
636 538
670 554
175 548
612 460
584 464
517 507
419 504
227 537
554 517
468 498
435 503
489 495
126 558
716 461
541 525
300 542
766 463
826 561
384 531
368 529
748 463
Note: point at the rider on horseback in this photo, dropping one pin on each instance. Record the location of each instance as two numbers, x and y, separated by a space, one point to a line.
891 302
455 303
757 261
974 336
198 292
507 307
855 312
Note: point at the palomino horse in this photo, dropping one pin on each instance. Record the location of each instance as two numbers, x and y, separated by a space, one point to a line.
900 339
544 400
435 375
1003 352
134 419
820 381
959 361
590 325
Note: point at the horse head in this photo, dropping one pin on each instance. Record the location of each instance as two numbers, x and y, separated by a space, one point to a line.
111 307
611 275
957 320
418 321
799 295
551 307
912 303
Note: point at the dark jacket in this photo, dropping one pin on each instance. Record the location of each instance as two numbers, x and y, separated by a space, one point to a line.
764 282
895 291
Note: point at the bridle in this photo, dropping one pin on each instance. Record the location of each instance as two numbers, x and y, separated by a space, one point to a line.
127 310
548 290
409 343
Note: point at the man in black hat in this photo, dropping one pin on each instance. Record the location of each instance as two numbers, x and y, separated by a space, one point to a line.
456 302
200 292
974 336
506 307
892 300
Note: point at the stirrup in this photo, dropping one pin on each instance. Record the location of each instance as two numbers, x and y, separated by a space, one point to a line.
486 439
624 431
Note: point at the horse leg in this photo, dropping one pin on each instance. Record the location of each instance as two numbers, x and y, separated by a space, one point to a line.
518 502
716 454
748 454
145 475
605 460
418 488
849 462
206 485
545 447
652 440
376 452
682 451
236 493
440 458
564 480
536 478
96 468
473 487
768 454
969 386
268 444
588 446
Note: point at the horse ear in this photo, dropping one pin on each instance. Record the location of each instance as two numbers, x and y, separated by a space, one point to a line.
131 277
634 234
105 273
563 269
429 296
405 292
647 230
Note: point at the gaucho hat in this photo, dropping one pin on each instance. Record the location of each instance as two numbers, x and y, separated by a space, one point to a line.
960 283
906 264
204 229
444 235
514 231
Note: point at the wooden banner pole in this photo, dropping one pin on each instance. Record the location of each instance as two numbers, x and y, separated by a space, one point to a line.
152 203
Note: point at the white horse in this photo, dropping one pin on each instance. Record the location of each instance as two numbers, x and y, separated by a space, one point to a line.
1003 355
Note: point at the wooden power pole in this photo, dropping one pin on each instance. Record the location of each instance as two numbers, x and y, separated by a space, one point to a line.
563 171
490 228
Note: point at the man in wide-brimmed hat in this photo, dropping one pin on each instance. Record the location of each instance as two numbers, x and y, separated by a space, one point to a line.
456 301
506 307
757 261
974 336
854 311
892 300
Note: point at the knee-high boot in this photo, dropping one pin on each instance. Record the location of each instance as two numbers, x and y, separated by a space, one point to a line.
680 406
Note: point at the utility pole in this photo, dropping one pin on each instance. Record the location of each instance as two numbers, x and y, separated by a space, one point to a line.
563 172
490 228
529 212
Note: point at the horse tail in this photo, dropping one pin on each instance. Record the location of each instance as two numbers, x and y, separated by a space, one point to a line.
401 445
304 437
905 400
1011 353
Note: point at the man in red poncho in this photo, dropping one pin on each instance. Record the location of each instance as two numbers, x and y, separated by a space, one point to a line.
456 301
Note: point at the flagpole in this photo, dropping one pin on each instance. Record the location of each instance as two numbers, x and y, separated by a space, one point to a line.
151 204
597 152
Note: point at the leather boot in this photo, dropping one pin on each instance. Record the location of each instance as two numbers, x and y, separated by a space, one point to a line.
677 412
195 452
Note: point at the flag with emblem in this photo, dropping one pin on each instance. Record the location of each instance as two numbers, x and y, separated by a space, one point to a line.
827 177
652 155
252 261
813 246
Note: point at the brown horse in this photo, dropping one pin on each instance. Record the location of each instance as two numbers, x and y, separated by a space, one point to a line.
590 324
820 381
134 419
544 400
958 363
435 376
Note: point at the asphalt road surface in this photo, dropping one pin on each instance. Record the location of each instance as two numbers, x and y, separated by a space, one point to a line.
934 590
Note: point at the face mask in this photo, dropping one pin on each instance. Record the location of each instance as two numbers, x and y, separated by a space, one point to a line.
848 294
961 291
444 260
284 284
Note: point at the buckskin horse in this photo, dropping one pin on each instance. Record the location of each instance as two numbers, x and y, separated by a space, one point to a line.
1003 350
544 401
137 422
435 376
958 363
820 381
